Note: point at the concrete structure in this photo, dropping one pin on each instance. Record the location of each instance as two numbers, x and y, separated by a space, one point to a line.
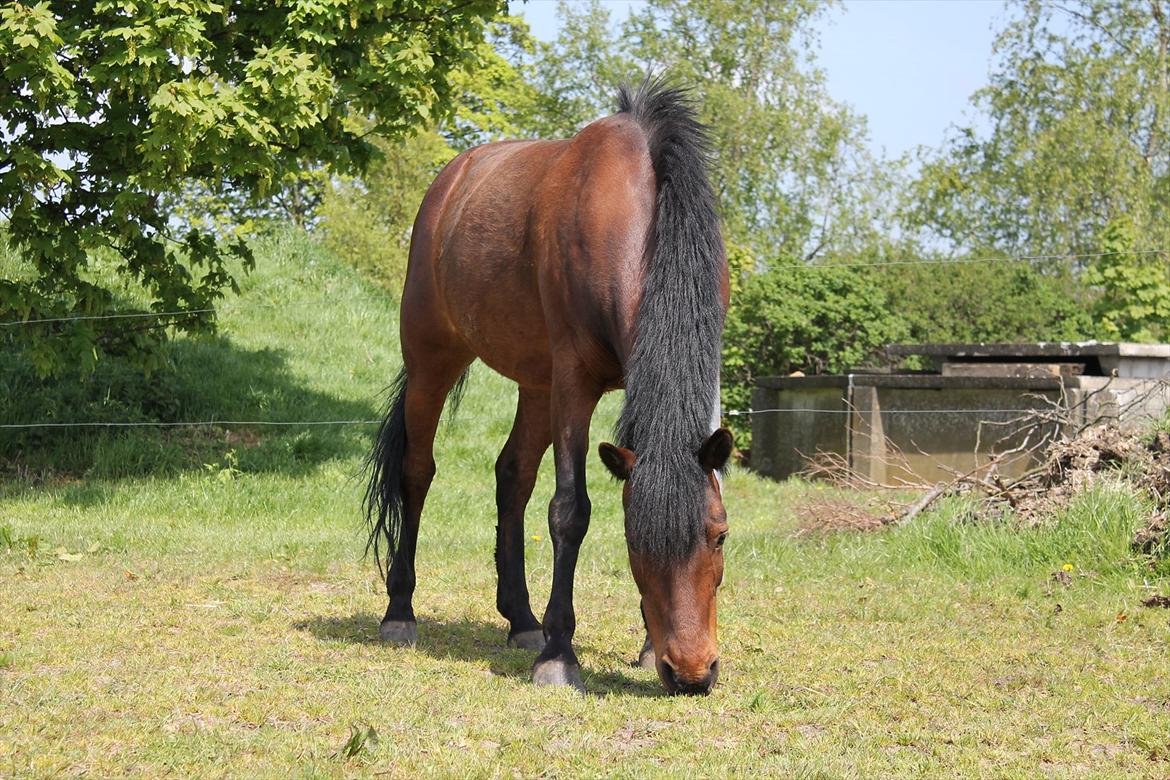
975 401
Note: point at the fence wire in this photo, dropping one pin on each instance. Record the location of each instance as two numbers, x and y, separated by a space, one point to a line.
238 305
318 423
188 424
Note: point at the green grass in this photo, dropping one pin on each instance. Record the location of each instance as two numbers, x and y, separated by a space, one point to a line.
196 603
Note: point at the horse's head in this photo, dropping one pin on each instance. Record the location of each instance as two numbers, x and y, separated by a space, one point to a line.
678 584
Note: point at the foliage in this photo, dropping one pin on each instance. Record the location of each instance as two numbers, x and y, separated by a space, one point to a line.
222 210
815 319
110 107
496 99
367 219
791 168
576 75
1079 110
987 302
1134 289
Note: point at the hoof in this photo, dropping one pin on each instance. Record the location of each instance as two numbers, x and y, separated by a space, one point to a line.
403 633
646 658
528 640
556 672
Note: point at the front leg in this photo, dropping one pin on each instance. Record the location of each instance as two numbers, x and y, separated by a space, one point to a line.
646 658
568 521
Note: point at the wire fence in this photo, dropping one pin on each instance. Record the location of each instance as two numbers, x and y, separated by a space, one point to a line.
190 424
238 305
325 423
749 412
118 316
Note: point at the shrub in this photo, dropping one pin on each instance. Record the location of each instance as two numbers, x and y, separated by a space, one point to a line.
987 302
367 221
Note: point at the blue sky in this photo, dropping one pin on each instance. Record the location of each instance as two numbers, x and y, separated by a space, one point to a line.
909 66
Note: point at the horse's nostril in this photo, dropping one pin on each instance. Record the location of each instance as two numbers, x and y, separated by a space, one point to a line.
669 675
675 684
712 674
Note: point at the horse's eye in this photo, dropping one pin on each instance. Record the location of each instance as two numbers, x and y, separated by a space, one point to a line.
722 538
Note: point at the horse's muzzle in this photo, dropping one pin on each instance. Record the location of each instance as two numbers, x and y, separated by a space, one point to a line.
678 685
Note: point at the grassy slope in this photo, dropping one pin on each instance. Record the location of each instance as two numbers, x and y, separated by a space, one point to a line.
197 605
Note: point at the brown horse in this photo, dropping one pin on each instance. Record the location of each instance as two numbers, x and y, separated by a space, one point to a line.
573 268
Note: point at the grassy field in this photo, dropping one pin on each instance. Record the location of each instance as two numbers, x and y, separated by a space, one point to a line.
195 602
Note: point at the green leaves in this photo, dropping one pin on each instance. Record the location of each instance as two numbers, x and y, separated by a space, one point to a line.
815 319
1079 110
790 164
134 103
1134 289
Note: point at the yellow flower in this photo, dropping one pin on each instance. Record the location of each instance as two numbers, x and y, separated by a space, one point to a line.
536 538
1067 567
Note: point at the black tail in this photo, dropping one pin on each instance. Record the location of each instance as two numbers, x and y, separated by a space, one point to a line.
383 502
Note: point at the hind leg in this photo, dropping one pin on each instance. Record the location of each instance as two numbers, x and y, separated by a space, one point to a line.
427 385
516 471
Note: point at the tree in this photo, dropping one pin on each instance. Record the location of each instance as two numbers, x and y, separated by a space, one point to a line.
496 99
1133 301
1079 110
969 302
111 107
577 75
790 168
367 219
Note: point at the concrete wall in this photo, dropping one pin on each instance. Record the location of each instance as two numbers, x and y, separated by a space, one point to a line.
896 427
781 439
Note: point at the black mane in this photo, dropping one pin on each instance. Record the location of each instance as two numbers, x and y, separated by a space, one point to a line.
673 372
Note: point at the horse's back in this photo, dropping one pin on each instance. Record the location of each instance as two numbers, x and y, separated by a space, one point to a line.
523 248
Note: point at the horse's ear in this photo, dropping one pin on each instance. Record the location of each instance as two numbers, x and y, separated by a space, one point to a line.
716 450
618 460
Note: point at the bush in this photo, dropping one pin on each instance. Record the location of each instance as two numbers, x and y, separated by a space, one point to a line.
815 319
1134 294
978 302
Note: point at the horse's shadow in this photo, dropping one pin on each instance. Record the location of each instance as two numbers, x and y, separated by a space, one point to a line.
475 641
